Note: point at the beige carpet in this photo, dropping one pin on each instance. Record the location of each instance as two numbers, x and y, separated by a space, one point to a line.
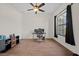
30 47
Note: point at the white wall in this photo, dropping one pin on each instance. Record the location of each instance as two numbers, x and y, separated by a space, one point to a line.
13 21
51 26
33 21
10 20
75 10
75 16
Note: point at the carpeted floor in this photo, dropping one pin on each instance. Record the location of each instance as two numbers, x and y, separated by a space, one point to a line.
28 47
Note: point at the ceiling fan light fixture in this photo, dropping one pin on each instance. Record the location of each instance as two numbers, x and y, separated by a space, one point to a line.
36 9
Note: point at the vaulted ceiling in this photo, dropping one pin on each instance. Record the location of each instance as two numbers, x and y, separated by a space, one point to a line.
48 7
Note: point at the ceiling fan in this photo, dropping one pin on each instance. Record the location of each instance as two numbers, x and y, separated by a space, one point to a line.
36 7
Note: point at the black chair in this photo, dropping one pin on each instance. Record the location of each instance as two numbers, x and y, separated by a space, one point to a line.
40 33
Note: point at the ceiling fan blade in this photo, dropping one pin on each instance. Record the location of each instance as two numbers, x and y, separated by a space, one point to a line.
41 5
36 5
29 9
41 10
31 4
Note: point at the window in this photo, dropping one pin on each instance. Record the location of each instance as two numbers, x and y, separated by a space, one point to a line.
61 24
